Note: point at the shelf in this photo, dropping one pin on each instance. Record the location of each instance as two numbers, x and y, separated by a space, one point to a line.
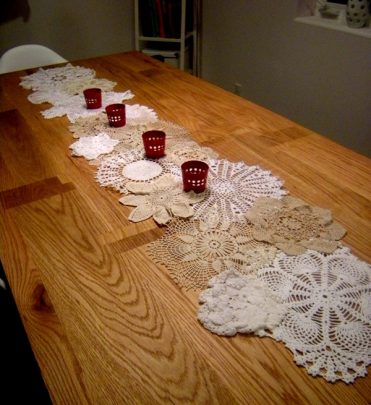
161 39
334 24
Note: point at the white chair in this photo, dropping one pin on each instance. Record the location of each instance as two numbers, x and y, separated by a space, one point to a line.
28 56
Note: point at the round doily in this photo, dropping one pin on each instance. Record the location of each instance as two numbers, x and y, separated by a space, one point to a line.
142 170
195 251
292 225
235 303
328 322
232 188
111 171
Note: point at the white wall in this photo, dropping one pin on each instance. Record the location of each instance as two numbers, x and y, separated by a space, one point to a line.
75 29
317 77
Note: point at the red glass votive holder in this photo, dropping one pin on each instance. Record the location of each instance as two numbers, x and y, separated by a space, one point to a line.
154 143
93 98
116 115
194 174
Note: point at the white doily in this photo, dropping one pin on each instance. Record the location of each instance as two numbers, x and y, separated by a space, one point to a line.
163 199
232 188
54 84
93 146
328 323
75 106
180 152
44 78
114 171
235 303
195 251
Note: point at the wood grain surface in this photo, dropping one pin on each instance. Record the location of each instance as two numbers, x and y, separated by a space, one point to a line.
106 324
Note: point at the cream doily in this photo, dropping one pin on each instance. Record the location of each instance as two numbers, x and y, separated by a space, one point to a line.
162 199
116 171
75 106
131 134
232 188
56 84
93 146
235 303
180 152
195 251
328 323
293 225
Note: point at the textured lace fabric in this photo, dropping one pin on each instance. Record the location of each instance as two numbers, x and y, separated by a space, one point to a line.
233 188
235 303
132 166
93 146
130 135
294 226
163 199
180 152
54 84
195 251
75 106
328 322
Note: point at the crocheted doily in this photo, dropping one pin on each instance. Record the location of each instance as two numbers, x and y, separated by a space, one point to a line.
232 188
235 303
51 85
119 169
328 323
131 134
189 150
75 106
93 146
162 199
195 251
293 225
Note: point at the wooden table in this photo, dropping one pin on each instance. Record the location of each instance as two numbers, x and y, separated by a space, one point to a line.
105 323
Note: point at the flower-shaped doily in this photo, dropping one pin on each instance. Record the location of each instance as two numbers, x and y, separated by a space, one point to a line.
189 150
235 303
75 106
162 199
91 147
132 166
195 251
232 188
328 323
293 225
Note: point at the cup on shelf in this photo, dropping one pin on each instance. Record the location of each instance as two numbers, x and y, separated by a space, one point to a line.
93 98
154 143
194 174
116 115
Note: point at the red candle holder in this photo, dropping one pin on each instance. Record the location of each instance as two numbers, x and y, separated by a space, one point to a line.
194 174
154 143
93 98
116 115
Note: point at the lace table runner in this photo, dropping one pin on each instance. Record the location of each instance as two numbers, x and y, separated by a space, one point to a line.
315 301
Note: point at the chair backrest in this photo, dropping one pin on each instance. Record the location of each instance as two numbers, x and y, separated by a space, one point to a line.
28 56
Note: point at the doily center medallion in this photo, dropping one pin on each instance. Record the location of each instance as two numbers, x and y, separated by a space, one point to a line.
142 170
